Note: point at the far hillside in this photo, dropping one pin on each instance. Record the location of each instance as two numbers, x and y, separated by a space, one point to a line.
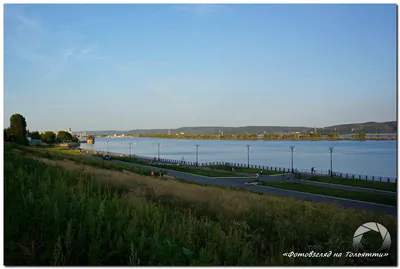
367 127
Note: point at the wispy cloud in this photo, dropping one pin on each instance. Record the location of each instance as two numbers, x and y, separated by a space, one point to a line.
30 38
30 23
84 51
67 53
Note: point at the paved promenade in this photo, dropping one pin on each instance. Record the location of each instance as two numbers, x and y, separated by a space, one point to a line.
240 182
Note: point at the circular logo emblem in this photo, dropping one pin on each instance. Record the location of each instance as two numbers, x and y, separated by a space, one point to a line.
374 228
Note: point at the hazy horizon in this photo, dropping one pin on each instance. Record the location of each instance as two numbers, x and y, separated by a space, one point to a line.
164 66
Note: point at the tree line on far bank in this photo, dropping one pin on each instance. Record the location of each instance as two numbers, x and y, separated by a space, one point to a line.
284 136
18 133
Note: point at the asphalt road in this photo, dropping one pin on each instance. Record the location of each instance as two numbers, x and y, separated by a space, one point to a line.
272 178
240 183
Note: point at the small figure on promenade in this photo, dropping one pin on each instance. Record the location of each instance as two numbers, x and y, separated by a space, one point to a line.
152 173
261 172
161 173
233 169
257 175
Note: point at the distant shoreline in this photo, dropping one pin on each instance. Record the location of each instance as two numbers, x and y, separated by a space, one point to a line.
261 139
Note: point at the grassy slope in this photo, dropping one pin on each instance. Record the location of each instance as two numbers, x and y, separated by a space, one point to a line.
385 186
197 171
354 195
58 217
245 170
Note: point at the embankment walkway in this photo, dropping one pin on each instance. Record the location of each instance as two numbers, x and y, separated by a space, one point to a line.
240 183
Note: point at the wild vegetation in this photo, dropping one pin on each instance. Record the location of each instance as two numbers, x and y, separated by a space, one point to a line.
60 154
61 213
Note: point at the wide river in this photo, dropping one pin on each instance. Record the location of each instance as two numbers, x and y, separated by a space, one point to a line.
374 158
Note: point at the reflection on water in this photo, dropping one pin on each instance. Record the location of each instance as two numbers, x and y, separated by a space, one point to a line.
376 158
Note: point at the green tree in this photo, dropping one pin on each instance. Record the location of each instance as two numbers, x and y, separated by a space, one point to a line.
35 135
75 139
17 125
64 136
333 135
7 136
361 136
48 137
22 140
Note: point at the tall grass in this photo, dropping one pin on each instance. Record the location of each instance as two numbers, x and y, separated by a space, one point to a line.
66 155
58 217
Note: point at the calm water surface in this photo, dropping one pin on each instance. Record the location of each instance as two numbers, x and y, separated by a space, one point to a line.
375 158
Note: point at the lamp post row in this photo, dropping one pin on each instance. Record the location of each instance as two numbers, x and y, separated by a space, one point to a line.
197 146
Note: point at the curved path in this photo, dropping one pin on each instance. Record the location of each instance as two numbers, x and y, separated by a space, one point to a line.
240 182
279 177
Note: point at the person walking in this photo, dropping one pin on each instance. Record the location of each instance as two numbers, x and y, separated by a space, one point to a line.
161 173
257 175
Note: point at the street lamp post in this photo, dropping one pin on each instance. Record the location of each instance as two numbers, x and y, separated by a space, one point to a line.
292 149
331 151
197 154
158 152
107 145
248 155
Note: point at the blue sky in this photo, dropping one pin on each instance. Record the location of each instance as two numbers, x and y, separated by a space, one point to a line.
122 67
